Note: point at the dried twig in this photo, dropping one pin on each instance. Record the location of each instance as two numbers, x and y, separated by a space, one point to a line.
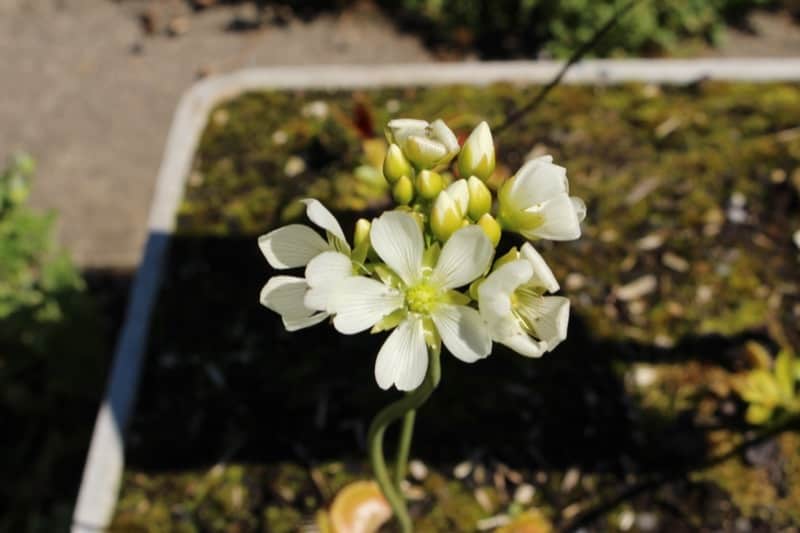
586 47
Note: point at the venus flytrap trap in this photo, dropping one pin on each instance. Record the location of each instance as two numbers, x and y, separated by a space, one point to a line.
429 272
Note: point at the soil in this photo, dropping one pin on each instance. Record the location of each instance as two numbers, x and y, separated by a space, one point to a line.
685 273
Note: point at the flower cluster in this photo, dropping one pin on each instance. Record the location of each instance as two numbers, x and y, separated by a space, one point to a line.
426 271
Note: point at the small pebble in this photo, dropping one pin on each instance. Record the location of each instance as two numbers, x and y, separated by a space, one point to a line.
279 137
626 519
664 341
462 470
575 281
636 289
524 494
704 294
644 376
294 166
493 522
650 242
316 109
418 470
637 307
675 262
737 215
479 475
571 479
484 499
796 238
777 176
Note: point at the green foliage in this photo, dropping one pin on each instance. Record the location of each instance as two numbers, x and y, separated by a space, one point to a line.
504 27
49 372
772 391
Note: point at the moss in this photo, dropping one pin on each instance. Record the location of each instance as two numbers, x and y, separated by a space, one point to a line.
645 383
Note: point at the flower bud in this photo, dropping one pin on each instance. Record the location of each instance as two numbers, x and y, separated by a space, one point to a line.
480 198
429 184
424 152
403 191
440 132
491 228
445 216
459 192
362 232
477 155
395 165
399 129
425 145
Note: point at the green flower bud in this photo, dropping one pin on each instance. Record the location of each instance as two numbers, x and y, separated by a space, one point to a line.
429 184
403 191
491 228
459 192
362 232
445 216
395 165
480 198
477 155
424 152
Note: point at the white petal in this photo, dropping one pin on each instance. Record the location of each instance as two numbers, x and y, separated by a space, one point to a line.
319 215
542 275
444 135
284 295
560 221
293 324
323 273
548 316
423 152
403 358
399 129
524 344
463 332
465 256
291 246
397 239
494 297
360 302
459 192
579 206
537 181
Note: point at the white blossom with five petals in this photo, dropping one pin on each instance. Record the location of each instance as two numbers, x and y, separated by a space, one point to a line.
512 301
419 296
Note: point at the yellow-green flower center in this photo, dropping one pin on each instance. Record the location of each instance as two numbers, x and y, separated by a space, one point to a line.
422 298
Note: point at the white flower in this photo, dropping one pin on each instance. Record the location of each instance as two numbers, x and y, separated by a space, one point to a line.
419 298
536 202
512 303
303 302
425 145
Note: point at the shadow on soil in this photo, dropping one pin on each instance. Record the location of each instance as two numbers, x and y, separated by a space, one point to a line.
224 381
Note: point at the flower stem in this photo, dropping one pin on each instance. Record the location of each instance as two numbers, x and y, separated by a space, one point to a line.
407 404
404 447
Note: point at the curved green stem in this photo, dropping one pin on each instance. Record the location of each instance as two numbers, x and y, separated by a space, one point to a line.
404 447
410 402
